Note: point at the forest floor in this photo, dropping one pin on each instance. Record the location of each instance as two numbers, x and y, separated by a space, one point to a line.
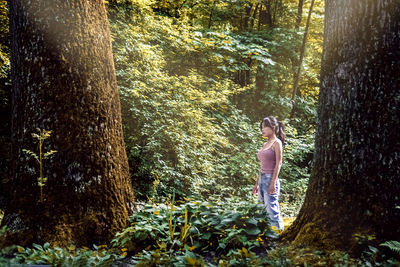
147 242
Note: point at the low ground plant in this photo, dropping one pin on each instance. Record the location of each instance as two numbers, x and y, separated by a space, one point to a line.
198 233
207 229
71 256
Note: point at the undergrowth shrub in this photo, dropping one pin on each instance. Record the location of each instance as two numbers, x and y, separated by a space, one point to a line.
200 226
56 256
295 171
70 256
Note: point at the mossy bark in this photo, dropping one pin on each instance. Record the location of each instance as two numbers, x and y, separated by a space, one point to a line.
64 80
355 182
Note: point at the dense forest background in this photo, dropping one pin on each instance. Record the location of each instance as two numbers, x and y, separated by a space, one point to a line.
195 79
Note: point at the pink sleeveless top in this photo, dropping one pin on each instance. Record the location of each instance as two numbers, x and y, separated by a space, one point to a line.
267 160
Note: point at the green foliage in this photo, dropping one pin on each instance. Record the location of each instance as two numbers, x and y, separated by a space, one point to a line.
393 245
369 253
289 256
230 52
4 38
295 171
71 256
41 137
163 257
56 256
198 229
181 125
195 79
185 257
241 257
201 226
5 252
372 256
171 122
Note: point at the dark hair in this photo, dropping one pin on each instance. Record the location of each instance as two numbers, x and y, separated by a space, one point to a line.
272 122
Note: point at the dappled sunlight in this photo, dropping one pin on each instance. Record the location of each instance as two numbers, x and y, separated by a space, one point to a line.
199 133
287 221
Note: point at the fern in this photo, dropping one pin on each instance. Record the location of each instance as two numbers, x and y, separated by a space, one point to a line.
393 245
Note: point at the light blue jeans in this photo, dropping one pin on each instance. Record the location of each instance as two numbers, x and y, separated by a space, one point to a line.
271 202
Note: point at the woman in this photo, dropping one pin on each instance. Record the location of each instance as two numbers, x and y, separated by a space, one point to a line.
270 156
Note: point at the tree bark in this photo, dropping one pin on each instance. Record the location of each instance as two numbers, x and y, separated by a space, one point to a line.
355 181
64 80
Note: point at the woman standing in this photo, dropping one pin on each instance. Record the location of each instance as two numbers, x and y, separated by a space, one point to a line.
270 156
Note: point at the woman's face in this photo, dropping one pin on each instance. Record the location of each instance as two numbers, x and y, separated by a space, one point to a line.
267 131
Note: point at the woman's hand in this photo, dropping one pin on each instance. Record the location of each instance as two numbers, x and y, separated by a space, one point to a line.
271 188
255 189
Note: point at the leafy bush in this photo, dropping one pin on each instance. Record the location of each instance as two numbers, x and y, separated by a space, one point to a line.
170 257
392 245
201 226
295 172
56 256
5 252
71 256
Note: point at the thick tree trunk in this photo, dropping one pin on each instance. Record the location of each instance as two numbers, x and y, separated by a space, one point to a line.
64 80
355 182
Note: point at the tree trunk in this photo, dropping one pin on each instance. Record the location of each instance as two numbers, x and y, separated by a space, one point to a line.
253 17
5 106
260 17
268 15
247 17
296 75
265 15
277 7
299 14
211 15
355 182
64 80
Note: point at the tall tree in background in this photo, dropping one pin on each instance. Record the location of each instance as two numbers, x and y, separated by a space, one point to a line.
299 14
296 74
355 183
64 80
